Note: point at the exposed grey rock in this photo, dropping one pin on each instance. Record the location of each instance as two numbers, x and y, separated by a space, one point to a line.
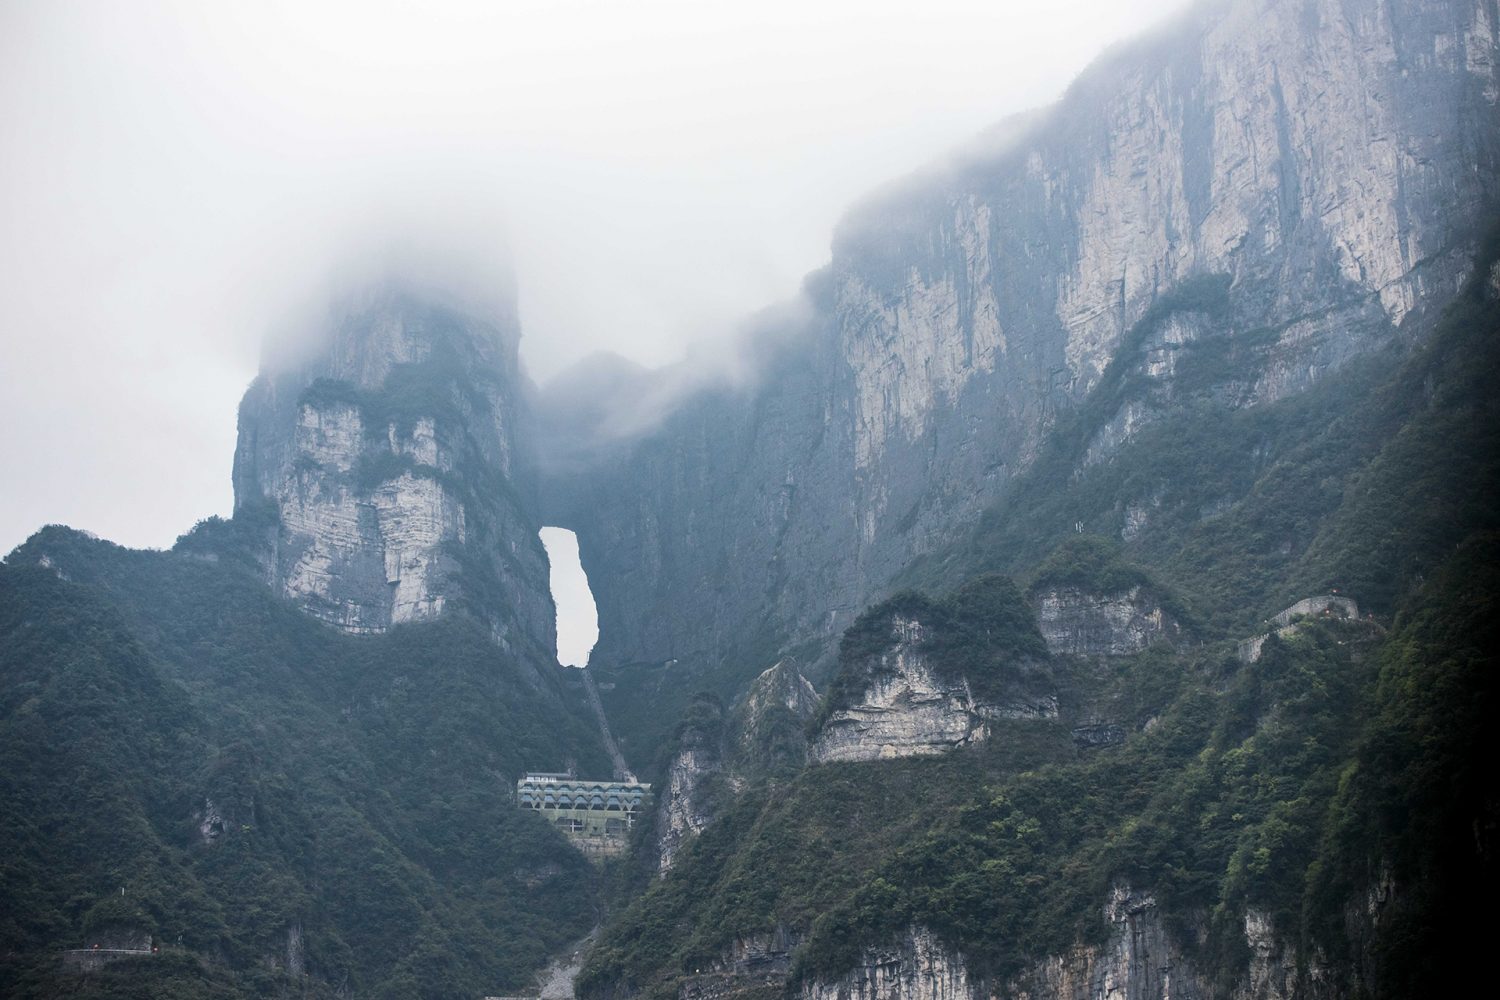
211 823
1139 960
556 981
296 951
907 710
1093 735
762 733
918 967
754 966
1081 623
768 724
1328 160
780 686
396 458
684 809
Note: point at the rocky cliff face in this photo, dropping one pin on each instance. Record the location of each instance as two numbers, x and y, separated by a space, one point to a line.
687 801
682 813
768 724
909 710
717 752
1286 185
395 459
919 967
1138 960
1082 623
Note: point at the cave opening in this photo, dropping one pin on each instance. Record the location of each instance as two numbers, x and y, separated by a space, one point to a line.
577 615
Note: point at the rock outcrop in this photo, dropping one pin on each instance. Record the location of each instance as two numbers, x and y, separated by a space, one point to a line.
1083 623
905 712
755 966
918 967
395 460
768 724
1232 209
1139 959
687 798
908 708
763 734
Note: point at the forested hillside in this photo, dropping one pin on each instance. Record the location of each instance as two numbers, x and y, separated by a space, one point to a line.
188 757
1329 792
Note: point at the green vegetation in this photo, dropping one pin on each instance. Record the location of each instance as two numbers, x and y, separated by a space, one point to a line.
359 786
1238 794
1335 785
1363 482
1214 809
1090 563
647 700
983 633
784 853
1414 814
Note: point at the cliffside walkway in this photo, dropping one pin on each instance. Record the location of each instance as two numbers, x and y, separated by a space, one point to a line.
1284 624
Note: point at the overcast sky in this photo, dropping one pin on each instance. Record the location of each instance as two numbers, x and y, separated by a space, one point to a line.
176 178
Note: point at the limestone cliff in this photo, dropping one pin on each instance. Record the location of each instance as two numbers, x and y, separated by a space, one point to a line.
395 459
913 682
716 753
906 711
1138 959
688 796
769 722
1085 623
1233 208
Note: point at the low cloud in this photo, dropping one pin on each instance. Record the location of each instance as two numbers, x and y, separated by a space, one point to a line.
178 179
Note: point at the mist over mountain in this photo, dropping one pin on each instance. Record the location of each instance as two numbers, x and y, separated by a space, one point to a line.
1082 584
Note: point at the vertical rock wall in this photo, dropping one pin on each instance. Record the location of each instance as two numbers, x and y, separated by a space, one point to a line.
1137 960
1083 623
396 458
1325 162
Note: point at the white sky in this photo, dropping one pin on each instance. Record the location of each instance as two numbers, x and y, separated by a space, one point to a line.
577 618
176 178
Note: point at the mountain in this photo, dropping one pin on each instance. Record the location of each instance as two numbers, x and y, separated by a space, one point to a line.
1218 217
1297 810
1212 336
285 751
1085 588
396 460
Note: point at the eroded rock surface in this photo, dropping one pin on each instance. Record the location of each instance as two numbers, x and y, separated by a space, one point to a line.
762 733
909 710
1233 208
394 462
1083 623
1138 960
686 806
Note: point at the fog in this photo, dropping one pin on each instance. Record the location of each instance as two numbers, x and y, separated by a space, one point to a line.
178 179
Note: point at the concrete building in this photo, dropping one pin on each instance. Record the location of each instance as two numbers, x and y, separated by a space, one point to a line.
596 816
